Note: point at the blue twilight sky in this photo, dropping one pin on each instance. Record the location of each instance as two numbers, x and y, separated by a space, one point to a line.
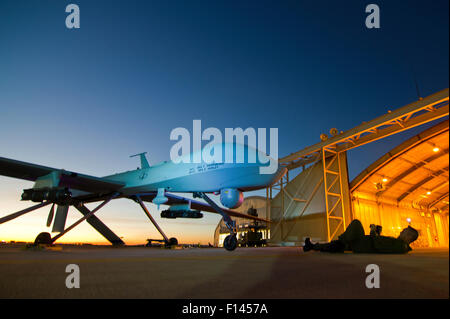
85 99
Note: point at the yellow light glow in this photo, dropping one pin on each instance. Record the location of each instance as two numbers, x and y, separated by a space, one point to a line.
436 149
428 193
384 180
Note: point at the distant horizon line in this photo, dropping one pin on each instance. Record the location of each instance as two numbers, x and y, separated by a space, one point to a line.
7 242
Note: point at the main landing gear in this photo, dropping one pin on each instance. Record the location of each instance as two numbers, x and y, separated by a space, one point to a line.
168 242
46 239
230 242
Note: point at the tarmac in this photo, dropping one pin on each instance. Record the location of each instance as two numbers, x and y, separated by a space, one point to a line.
194 273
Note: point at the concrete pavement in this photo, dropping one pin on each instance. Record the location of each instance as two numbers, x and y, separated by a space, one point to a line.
271 272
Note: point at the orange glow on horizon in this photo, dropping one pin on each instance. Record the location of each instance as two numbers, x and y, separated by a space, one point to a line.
83 237
123 217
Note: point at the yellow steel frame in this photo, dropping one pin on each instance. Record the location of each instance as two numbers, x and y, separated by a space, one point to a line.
334 196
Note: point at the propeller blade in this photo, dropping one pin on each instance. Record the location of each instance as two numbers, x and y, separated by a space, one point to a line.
50 215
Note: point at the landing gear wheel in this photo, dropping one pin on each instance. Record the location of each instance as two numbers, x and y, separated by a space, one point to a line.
230 242
172 242
43 239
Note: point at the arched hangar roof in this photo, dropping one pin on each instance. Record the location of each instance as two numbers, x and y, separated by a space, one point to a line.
415 172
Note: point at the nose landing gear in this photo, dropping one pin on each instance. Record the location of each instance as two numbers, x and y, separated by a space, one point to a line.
230 242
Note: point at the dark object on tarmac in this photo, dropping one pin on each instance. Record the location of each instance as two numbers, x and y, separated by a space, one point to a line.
335 246
253 237
354 239
308 245
230 242
171 242
43 239
375 230
252 212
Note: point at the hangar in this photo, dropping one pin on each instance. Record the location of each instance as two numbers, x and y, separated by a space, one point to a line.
407 185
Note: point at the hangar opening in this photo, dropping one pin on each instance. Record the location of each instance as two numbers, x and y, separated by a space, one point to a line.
408 186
